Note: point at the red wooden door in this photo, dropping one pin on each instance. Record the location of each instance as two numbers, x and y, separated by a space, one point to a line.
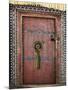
42 30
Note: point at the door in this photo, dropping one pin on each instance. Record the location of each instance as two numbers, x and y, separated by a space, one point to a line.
39 50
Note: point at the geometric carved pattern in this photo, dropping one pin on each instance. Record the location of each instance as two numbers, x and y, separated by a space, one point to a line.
12 45
63 49
13 39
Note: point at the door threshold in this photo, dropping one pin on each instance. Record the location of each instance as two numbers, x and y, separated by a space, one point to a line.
43 85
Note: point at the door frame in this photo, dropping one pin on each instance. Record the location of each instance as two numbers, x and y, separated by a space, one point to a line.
20 17
19 12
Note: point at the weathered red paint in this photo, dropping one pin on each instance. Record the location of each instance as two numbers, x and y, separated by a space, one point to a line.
46 73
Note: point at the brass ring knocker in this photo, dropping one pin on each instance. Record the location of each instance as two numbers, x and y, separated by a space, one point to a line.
38 47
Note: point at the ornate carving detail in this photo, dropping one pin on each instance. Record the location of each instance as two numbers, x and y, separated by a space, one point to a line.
63 49
12 45
38 9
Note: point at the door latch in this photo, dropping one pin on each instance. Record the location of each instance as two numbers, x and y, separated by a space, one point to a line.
54 37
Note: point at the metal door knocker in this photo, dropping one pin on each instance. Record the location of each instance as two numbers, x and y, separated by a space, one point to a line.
38 47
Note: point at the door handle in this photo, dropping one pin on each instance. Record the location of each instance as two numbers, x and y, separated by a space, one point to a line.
37 47
38 58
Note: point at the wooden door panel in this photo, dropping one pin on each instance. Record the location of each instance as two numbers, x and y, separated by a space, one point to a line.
39 29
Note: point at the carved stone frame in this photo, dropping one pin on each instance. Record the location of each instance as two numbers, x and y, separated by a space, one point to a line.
13 9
